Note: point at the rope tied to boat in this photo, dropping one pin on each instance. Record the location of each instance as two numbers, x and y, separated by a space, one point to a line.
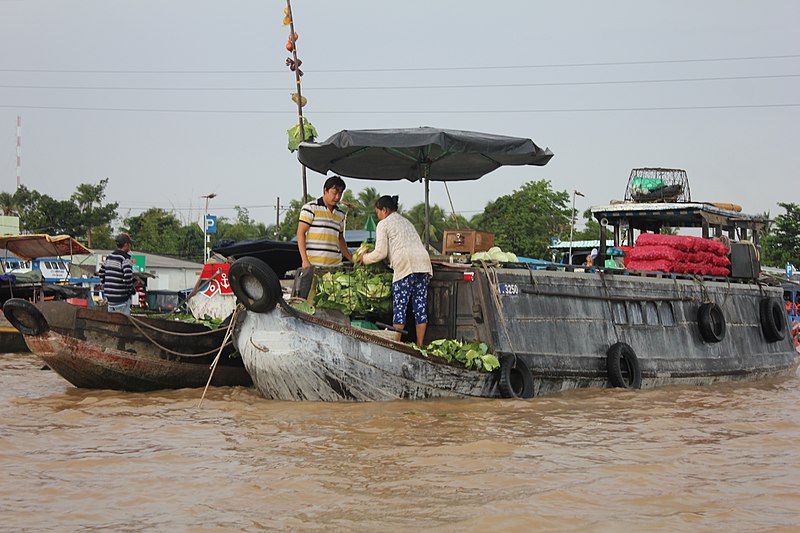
493 286
138 325
139 322
225 341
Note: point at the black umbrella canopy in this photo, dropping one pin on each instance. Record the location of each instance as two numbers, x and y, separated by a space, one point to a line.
415 154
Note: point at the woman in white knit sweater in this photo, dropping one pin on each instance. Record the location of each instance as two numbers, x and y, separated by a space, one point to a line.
397 240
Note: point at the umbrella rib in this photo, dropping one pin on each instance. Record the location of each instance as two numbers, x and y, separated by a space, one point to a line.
351 154
401 153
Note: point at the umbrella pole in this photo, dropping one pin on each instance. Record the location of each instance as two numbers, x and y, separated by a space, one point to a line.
427 215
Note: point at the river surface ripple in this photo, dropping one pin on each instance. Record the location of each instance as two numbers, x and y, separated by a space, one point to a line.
723 457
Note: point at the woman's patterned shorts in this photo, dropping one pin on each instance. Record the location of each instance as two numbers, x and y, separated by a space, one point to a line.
415 287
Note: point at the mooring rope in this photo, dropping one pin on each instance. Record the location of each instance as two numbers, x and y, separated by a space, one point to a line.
146 336
225 341
140 322
493 286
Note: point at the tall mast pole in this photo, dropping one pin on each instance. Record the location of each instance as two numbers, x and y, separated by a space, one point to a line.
19 149
297 76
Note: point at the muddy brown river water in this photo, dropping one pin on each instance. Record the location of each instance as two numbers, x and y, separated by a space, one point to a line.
717 458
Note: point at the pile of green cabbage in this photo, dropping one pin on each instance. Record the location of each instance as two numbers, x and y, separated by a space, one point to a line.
495 254
360 291
474 355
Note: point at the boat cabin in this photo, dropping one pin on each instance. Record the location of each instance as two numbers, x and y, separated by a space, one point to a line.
621 223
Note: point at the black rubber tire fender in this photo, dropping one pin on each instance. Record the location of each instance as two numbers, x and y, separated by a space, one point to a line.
255 284
711 321
773 319
25 316
622 367
516 379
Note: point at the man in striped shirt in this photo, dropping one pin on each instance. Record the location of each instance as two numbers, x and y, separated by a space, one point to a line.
320 231
117 276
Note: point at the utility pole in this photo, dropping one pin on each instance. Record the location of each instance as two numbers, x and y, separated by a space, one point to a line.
277 218
572 223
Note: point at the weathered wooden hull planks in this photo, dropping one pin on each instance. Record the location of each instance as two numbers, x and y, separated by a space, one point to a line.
100 350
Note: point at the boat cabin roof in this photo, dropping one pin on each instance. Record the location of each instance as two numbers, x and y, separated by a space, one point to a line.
653 216
36 246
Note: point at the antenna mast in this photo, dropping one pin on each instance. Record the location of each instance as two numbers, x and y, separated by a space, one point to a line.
19 148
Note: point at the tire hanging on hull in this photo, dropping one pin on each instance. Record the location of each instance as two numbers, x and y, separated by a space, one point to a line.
516 379
25 316
255 284
622 366
711 321
773 319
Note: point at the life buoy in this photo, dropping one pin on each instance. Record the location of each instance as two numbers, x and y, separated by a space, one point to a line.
25 316
711 322
516 379
773 319
622 366
255 284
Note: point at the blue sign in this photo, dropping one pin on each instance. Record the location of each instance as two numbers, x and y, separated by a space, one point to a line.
211 224
789 270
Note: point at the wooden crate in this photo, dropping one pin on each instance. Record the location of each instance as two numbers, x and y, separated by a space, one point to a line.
466 241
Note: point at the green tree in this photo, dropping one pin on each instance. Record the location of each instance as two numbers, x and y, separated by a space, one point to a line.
88 199
103 239
288 227
359 207
524 221
155 231
590 231
190 243
243 228
43 214
8 204
437 221
354 213
782 244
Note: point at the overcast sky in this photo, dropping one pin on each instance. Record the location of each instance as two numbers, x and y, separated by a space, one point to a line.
174 99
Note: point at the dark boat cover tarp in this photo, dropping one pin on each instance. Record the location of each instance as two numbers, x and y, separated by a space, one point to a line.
418 153
280 256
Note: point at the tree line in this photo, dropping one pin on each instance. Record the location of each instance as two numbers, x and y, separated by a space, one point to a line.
523 222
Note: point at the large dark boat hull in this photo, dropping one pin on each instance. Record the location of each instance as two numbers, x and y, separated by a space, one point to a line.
562 325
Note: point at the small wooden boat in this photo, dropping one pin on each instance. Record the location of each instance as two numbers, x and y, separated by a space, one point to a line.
96 349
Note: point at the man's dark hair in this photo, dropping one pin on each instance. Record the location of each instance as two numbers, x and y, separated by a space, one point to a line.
334 181
122 239
387 202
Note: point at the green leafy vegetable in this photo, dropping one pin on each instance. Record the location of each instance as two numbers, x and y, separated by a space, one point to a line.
474 355
357 291
304 307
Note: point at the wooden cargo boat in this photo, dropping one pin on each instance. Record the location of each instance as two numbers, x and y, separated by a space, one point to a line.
554 328
100 350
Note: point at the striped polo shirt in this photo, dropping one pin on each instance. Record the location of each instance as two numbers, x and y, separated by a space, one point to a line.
322 239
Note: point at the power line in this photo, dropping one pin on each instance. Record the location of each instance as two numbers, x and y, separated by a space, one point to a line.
407 69
394 87
405 112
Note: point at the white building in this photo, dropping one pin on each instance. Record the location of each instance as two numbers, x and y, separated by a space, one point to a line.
169 274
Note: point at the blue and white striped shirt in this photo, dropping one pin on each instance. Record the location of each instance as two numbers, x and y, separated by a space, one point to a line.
117 277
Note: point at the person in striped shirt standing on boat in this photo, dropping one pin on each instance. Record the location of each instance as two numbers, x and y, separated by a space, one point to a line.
116 274
320 230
